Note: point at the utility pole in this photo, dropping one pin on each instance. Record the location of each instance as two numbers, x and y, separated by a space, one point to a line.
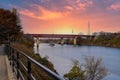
72 31
88 28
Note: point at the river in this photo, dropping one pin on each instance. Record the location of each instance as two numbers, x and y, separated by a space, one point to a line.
62 56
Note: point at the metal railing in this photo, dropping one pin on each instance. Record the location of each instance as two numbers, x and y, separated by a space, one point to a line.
19 67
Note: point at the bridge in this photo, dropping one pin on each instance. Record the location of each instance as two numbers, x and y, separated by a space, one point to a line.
61 36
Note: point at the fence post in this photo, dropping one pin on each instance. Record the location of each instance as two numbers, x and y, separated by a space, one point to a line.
17 65
8 51
10 55
29 69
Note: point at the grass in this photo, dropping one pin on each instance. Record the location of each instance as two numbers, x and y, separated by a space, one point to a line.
37 72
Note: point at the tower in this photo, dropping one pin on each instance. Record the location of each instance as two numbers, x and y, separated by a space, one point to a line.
72 31
88 28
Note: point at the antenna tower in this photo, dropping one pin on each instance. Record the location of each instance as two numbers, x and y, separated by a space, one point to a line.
88 28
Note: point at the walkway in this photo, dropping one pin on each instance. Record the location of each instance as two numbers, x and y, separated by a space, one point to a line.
5 69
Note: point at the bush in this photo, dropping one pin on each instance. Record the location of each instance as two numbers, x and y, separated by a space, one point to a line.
91 70
37 72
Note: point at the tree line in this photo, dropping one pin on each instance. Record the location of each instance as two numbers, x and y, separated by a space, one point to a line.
102 39
10 25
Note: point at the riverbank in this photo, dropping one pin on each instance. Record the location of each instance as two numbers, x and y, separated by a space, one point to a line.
103 39
111 46
38 73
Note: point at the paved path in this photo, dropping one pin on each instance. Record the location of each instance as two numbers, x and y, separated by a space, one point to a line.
5 69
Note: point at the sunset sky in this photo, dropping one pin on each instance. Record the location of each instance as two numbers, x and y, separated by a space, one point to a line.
65 16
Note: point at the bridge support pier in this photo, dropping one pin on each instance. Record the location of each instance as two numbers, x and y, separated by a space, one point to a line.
75 41
37 42
62 41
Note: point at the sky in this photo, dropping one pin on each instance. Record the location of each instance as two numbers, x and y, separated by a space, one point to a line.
66 16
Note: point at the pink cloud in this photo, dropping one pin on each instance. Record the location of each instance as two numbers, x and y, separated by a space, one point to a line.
69 8
115 7
79 4
44 14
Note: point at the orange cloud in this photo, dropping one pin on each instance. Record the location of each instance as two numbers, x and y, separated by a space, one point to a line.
64 22
45 14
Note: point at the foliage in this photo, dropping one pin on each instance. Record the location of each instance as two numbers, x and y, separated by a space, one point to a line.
103 39
37 72
91 70
26 40
94 69
25 44
9 23
76 72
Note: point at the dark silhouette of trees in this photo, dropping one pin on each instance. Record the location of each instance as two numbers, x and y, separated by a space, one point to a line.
10 25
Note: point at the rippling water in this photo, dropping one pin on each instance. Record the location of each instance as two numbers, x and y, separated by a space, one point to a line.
62 56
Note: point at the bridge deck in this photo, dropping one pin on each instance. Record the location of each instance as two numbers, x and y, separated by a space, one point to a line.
59 35
5 69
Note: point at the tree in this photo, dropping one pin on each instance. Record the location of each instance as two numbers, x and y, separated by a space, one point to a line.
9 23
76 73
91 70
94 69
